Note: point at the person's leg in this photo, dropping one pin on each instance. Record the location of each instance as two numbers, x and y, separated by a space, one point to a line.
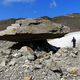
74 44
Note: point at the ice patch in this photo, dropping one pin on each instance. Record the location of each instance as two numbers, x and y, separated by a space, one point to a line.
66 41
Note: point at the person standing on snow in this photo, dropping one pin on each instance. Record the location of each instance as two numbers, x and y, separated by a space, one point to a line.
74 42
20 24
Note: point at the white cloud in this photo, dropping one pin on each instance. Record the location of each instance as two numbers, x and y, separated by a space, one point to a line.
53 4
17 1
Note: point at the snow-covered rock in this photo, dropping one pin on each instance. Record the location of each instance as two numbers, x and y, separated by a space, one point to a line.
66 41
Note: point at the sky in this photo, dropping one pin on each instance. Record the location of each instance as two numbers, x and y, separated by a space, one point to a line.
37 8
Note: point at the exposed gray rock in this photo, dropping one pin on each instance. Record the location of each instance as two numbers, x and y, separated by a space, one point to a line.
12 62
31 29
6 44
17 54
24 49
3 63
5 51
73 71
52 66
40 65
31 57
73 55
28 78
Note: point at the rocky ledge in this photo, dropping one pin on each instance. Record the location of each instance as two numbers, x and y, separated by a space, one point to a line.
33 29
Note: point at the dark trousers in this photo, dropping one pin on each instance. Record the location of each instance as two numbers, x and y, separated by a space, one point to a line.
74 44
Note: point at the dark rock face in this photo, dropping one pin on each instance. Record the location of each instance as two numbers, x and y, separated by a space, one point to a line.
36 45
29 37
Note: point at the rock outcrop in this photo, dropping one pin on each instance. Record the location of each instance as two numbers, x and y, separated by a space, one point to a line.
33 29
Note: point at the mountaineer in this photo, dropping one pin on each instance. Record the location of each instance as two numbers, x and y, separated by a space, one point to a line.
74 42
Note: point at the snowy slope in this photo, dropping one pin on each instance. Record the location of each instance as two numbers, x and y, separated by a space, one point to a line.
66 41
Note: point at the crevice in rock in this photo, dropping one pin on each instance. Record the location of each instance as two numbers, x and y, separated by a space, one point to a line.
58 71
36 23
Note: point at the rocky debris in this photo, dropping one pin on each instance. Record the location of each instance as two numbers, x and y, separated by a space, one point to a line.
24 49
12 62
28 78
73 71
3 63
5 51
53 67
31 29
32 57
40 65
17 55
6 44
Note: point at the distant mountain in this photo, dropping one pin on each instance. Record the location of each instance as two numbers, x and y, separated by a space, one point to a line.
7 22
71 20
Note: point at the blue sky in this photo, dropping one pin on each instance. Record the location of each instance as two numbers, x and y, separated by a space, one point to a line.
37 8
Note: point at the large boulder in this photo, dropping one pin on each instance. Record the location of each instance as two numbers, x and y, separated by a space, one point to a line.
33 29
